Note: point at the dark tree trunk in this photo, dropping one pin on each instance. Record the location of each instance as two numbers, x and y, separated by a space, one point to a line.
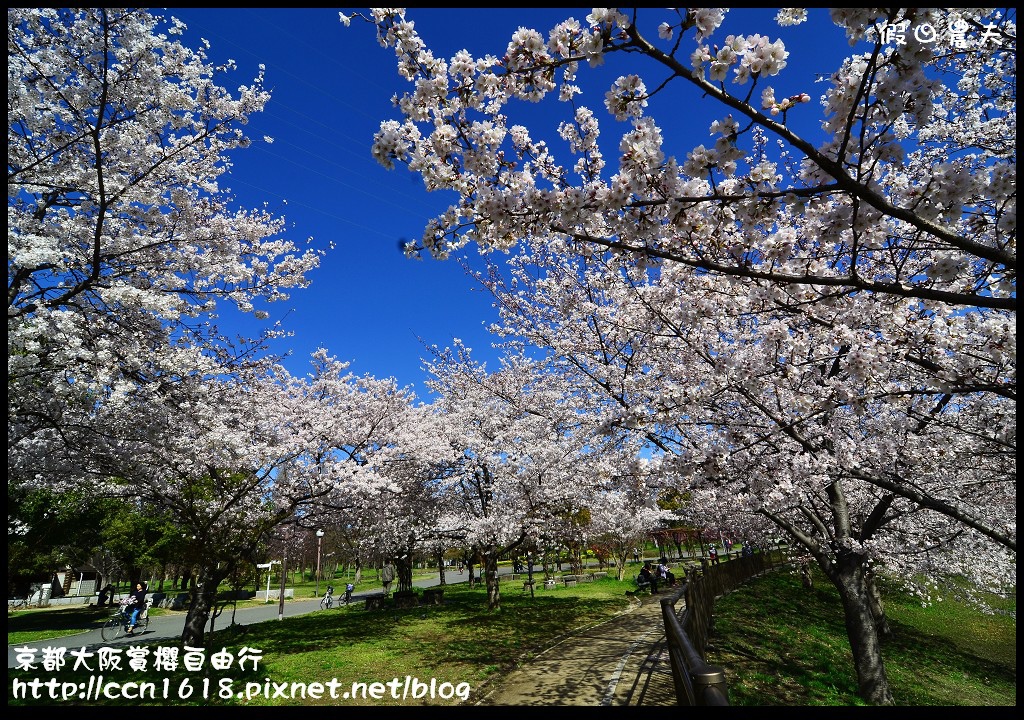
575 558
201 603
403 572
440 568
872 681
877 606
215 612
805 575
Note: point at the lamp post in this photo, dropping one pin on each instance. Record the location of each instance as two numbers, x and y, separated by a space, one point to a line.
319 539
284 576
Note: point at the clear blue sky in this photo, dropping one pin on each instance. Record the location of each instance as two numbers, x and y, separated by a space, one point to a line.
331 88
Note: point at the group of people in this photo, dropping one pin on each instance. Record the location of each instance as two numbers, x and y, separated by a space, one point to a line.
661 574
654 576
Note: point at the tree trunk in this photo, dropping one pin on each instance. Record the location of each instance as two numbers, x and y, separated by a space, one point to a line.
872 681
201 602
805 575
470 562
877 606
215 612
489 569
575 558
440 567
621 559
403 567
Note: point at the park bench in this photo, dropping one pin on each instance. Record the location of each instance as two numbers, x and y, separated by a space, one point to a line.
573 580
640 586
598 575
433 596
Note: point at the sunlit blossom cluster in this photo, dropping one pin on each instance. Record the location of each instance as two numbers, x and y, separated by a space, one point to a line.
752 56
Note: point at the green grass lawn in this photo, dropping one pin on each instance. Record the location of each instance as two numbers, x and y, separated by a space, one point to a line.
459 643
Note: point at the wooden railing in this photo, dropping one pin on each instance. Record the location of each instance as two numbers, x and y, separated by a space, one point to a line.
697 682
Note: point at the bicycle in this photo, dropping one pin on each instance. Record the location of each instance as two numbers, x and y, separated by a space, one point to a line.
117 624
328 599
348 593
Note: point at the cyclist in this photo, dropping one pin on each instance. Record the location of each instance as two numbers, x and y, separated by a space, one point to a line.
328 598
349 587
137 605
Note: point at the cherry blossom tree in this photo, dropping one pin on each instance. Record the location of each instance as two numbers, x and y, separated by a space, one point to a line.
354 437
525 468
120 240
813 326
123 249
623 521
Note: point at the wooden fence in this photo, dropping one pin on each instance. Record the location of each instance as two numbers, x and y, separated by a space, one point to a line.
697 682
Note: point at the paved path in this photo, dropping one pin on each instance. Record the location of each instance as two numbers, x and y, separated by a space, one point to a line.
618 662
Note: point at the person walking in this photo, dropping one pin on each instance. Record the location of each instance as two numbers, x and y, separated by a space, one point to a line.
387 576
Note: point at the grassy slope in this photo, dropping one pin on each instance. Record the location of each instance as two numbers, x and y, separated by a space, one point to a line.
784 645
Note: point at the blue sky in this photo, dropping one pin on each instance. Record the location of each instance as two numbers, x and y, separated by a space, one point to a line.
331 88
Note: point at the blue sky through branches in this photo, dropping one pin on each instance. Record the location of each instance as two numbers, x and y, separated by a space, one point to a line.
332 86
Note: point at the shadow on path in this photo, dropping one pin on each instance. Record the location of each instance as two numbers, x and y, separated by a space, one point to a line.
619 662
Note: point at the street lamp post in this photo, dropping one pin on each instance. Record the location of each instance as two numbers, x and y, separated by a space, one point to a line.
319 539
284 576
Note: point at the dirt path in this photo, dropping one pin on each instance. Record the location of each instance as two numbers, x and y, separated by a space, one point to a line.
619 662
